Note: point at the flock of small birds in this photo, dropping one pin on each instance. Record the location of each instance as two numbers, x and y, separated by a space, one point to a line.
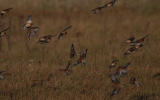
121 71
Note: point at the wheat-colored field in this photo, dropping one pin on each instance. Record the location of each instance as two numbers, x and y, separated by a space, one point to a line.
102 34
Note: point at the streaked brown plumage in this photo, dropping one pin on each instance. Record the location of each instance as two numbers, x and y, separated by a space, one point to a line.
5 11
29 23
110 4
134 82
130 50
137 45
2 33
81 59
32 30
64 32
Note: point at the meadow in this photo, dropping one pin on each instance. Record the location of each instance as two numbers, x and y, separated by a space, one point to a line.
102 34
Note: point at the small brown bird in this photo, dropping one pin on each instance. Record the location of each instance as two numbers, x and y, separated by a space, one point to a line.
32 30
133 81
140 40
64 32
122 70
81 59
114 63
138 45
116 85
2 33
29 23
72 53
45 39
67 70
5 11
96 10
130 50
129 40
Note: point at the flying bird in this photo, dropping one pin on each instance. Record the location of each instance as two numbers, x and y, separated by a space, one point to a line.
130 50
64 32
67 70
116 86
140 40
133 81
72 53
45 39
129 40
138 45
98 9
32 30
122 70
81 59
29 23
2 33
114 63
5 11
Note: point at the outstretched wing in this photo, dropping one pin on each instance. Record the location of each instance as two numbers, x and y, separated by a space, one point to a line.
67 28
127 64
29 20
5 29
35 30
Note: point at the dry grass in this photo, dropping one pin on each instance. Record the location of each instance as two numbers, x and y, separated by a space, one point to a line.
102 34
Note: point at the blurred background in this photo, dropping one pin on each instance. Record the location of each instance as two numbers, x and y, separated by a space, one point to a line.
102 34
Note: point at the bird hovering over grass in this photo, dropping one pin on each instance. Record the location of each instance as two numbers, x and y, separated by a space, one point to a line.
134 82
32 30
64 32
116 86
45 39
2 33
81 59
67 70
122 70
98 9
137 45
29 23
130 50
5 11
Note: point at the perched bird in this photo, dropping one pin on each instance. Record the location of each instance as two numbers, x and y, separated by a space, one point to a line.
129 40
114 63
81 59
5 11
64 32
29 23
67 70
116 85
2 33
122 70
140 40
72 53
96 10
133 81
45 39
32 30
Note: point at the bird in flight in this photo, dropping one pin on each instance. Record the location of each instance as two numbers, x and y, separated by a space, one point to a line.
72 53
45 39
2 33
96 10
5 11
67 70
32 30
29 23
129 40
140 40
81 59
64 32
114 63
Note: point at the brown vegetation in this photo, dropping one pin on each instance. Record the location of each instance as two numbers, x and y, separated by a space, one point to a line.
102 34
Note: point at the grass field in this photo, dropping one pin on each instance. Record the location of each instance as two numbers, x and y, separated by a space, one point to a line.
102 34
